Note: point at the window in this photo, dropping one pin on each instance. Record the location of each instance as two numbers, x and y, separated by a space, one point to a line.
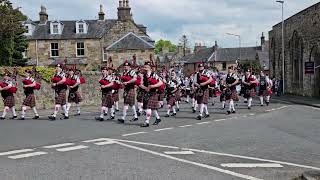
54 50
25 53
27 29
81 28
80 49
55 29
224 66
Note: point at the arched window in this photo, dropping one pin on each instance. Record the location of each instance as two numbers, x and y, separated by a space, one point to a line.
296 58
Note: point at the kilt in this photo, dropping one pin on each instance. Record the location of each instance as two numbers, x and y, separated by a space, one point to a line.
129 96
266 92
249 93
171 100
74 97
8 101
203 99
140 95
29 101
153 102
188 92
223 96
115 96
161 96
192 94
107 100
60 97
233 95
178 95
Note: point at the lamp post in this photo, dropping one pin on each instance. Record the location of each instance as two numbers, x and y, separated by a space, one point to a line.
283 89
239 43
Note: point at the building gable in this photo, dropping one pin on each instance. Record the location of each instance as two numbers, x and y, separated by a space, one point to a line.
130 41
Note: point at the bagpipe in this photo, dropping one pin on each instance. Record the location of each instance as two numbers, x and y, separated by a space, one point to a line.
13 89
29 82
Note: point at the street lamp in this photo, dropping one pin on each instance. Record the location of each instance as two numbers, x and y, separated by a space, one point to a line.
283 89
239 43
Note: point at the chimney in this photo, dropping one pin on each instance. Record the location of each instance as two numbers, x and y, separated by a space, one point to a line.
43 15
124 11
101 13
263 40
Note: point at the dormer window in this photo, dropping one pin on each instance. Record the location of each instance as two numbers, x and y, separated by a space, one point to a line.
56 27
81 27
29 27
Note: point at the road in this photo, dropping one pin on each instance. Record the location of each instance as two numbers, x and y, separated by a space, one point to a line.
276 142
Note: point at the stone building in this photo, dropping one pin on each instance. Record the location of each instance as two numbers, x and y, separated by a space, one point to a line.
88 43
302 45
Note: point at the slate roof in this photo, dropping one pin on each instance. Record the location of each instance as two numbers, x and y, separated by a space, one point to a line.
130 41
232 54
203 55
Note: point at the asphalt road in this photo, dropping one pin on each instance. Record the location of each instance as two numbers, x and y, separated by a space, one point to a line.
276 142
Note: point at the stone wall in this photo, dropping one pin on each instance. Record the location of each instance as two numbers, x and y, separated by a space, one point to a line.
301 38
45 96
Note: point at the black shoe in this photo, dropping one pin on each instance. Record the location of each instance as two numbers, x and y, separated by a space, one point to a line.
66 117
233 112
174 114
193 111
167 115
36 117
249 108
121 121
2 118
78 114
63 114
14 117
22 119
105 114
213 104
267 103
138 113
134 120
178 110
207 115
199 118
117 110
261 105
145 125
157 122
228 112
112 117
52 118
99 119
245 102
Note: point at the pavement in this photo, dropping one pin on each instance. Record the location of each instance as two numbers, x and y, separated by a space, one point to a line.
308 101
280 141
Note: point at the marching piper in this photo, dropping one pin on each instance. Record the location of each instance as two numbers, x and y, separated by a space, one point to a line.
231 92
7 90
265 89
172 87
250 83
74 93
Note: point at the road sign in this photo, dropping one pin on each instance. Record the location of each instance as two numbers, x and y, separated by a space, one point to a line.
309 67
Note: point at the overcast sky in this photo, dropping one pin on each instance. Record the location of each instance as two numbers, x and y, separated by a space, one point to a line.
201 20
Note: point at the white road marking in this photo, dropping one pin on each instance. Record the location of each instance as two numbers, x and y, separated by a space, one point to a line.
190 162
252 114
315 108
134 134
179 152
219 120
204 123
58 145
95 140
252 165
27 155
270 110
15 152
221 154
163 129
72 148
186 126
104 143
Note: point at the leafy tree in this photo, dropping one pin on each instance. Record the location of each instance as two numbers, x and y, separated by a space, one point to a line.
161 44
251 65
13 42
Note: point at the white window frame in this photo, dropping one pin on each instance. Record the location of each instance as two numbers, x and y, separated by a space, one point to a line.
53 29
27 28
81 30
54 49
84 49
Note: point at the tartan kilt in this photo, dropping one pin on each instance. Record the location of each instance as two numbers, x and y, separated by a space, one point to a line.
171 100
115 96
161 96
153 102
140 95
204 99
9 101
107 100
29 101
129 97
264 93
178 95
234 95
249 93
60 97
74 97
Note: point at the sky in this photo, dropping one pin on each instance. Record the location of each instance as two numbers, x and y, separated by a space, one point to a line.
203 21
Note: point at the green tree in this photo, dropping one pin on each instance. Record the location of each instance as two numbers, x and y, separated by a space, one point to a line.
13 42
161 44
251 65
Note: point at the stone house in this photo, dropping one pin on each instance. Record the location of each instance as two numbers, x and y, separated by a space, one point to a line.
302 45
88 43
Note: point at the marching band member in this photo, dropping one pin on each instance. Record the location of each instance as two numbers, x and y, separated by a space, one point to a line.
129 79
58 84
162 89
223 89
172 86
7 90
193 94
187 88
30 100
202 80
151 101
106 84
140 92
250 83
115 94
231 93
265 88
74 94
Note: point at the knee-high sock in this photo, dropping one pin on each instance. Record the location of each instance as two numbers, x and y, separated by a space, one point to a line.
223 104
187 98
13 109
23 112
177 105
193 102
112 111
232 105
68 106
195 106
174 109
148 116
169 109
201 109
134 111
78 108
268 98
156 114
250 102
5 111
65 109
56 110
140 105
35 111
117 105
206 109
103 110
125 109
261 100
